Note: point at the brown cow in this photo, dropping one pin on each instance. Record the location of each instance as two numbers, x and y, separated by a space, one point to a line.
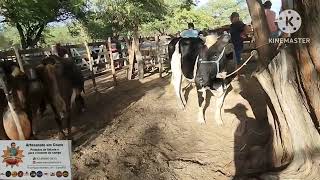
13 92
61 78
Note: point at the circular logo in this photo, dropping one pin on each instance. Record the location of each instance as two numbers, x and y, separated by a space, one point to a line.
39 174
14 174
59 174
65 174
20 173
33 174
289 21
8 173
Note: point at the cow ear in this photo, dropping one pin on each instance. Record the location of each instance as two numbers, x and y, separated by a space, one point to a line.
211 40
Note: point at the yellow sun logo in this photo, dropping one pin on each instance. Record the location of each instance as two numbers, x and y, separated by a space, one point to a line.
12 156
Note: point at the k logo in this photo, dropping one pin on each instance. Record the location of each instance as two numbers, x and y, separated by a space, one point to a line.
289 21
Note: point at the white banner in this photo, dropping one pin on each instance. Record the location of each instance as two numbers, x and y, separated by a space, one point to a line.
35 159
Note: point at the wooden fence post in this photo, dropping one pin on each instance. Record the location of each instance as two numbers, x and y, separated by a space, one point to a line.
159 59
112 62
16 51
93 76
131 57
54 50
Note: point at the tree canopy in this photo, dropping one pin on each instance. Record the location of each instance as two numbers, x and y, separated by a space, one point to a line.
214 14
36 21
30 17
122 16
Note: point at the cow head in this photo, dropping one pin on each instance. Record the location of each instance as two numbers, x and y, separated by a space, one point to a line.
211 60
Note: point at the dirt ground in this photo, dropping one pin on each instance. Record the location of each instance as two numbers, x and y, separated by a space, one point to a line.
135 131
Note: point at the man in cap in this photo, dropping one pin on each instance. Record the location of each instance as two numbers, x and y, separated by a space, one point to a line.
190 32
237 30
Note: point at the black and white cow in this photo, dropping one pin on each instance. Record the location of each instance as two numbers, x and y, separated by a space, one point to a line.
204 63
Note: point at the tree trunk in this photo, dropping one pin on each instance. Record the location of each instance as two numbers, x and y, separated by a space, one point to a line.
131 57
308 55
291 80
138 55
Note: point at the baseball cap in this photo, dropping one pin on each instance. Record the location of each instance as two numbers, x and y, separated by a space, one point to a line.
234 14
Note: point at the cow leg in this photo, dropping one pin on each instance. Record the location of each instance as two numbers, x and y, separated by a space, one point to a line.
177 78
68 113
68 119
58 121
34 120
202 101
79 101
218 107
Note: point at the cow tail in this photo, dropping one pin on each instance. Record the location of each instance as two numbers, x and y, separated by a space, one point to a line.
177 75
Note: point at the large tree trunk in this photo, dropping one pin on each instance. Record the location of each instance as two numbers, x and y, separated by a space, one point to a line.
308 55
291 79
131 57
138 55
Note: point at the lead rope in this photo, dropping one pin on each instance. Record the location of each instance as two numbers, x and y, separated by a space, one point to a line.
253 53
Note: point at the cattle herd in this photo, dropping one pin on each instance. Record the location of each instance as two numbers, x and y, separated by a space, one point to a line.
26 94
57 83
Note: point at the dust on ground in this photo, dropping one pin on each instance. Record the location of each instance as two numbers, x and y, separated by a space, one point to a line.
137 131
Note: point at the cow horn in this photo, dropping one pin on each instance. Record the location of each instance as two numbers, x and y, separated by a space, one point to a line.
15 72
211 40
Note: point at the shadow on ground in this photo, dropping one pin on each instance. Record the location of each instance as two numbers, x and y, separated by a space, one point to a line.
253 137
102 107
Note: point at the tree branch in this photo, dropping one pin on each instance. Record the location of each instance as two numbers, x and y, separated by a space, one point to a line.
22 36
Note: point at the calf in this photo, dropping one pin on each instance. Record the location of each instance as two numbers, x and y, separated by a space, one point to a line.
201 62
62 78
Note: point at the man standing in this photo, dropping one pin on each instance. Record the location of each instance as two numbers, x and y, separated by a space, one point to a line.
271 18
190 32
237 30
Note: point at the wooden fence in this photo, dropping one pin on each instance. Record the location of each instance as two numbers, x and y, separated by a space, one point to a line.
103 60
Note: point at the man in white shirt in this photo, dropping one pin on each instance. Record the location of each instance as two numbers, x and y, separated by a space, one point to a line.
190 32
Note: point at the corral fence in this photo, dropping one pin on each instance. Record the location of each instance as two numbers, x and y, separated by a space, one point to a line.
94 58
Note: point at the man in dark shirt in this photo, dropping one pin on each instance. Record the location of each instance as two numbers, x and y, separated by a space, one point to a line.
237 30
62 52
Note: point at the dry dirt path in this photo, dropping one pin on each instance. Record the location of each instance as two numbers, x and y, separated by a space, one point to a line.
136 131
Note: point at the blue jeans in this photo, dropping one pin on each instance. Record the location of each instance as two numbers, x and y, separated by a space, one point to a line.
238 50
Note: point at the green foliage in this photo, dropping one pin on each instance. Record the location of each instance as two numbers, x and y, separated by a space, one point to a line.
124 16
101 19
222 9
214 14
30 17
62 34
8 37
